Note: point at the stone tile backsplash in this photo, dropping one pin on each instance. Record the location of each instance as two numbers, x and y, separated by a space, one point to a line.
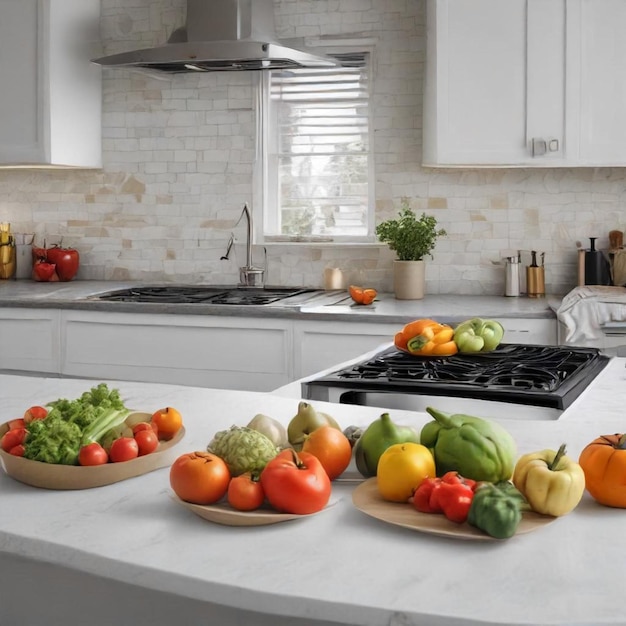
178 161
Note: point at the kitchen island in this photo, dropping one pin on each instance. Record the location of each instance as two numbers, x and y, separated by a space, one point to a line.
128 554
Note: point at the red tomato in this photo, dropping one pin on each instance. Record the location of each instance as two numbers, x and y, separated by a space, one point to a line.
145 426
18 450
12 438
245 492
199 477
35 413
66 261
296 483
147 441
16 423
44 271
123 449
92 454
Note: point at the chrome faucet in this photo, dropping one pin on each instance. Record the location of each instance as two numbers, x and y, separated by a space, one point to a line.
249 276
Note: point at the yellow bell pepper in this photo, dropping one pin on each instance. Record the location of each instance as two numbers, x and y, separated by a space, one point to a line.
552 483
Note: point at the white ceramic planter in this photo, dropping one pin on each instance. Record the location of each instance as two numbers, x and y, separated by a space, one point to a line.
408 280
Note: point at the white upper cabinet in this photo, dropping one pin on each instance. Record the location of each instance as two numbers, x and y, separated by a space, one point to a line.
50 107
529 83
600 70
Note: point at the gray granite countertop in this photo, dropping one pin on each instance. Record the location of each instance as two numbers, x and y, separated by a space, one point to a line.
332 305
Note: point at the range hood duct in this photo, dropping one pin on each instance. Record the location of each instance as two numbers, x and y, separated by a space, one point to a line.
220 35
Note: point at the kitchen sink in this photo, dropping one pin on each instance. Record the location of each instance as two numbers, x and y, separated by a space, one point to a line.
210 294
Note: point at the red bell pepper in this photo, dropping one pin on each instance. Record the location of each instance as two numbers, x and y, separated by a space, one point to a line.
451 495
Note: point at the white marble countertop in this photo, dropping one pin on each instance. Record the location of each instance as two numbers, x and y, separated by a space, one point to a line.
325 306
338 567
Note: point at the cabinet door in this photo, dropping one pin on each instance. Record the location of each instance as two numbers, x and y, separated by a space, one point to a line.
597 76
321 345
222 352
494 91
22 102
50 109
541 332
30 340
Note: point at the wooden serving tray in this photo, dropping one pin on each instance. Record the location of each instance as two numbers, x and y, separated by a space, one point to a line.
53 476
222 513
367 499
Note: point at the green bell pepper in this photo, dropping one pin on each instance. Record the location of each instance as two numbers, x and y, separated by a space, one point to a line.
474 447
478 335
496 509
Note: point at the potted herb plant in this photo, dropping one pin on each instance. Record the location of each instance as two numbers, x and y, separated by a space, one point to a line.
412 239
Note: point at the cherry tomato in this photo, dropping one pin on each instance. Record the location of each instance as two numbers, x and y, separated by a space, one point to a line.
92 454
296 483
199 477
66 261
35 413
168 422
12 438
18 450
147 441
245 492
145 426
16 423
123 449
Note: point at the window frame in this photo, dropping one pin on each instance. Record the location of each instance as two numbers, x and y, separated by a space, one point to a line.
262 194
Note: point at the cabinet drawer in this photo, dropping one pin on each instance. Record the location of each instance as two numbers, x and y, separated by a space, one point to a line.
230 353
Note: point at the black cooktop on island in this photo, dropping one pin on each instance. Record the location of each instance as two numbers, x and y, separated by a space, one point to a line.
549 376
190 294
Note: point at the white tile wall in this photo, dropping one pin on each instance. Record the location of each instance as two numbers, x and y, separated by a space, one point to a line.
179 151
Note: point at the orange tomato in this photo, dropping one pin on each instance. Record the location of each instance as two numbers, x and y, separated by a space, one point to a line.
199 477
362 296
245 492
168 422
331 447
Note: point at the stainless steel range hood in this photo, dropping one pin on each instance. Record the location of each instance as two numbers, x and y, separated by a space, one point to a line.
220 35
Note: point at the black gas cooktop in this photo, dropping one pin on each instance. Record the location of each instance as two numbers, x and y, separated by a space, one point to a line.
550 376
170 294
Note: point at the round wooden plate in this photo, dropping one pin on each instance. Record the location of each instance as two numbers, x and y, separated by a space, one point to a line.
367 499
52 476
223 513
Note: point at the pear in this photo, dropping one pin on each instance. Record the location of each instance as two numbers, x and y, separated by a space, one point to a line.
306 420
377 437
271 428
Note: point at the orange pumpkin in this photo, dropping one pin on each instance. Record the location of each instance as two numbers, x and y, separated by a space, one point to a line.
604 464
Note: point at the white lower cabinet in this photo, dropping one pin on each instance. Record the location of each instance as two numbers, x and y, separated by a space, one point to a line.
247 353
212 351
30 340
542 331
320 345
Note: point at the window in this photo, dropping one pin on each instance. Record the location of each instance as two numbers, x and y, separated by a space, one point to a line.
316 182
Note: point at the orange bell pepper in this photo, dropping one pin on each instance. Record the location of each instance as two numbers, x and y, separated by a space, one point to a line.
362 296
426 337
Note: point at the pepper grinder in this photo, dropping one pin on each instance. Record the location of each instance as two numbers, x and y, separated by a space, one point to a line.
535 277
